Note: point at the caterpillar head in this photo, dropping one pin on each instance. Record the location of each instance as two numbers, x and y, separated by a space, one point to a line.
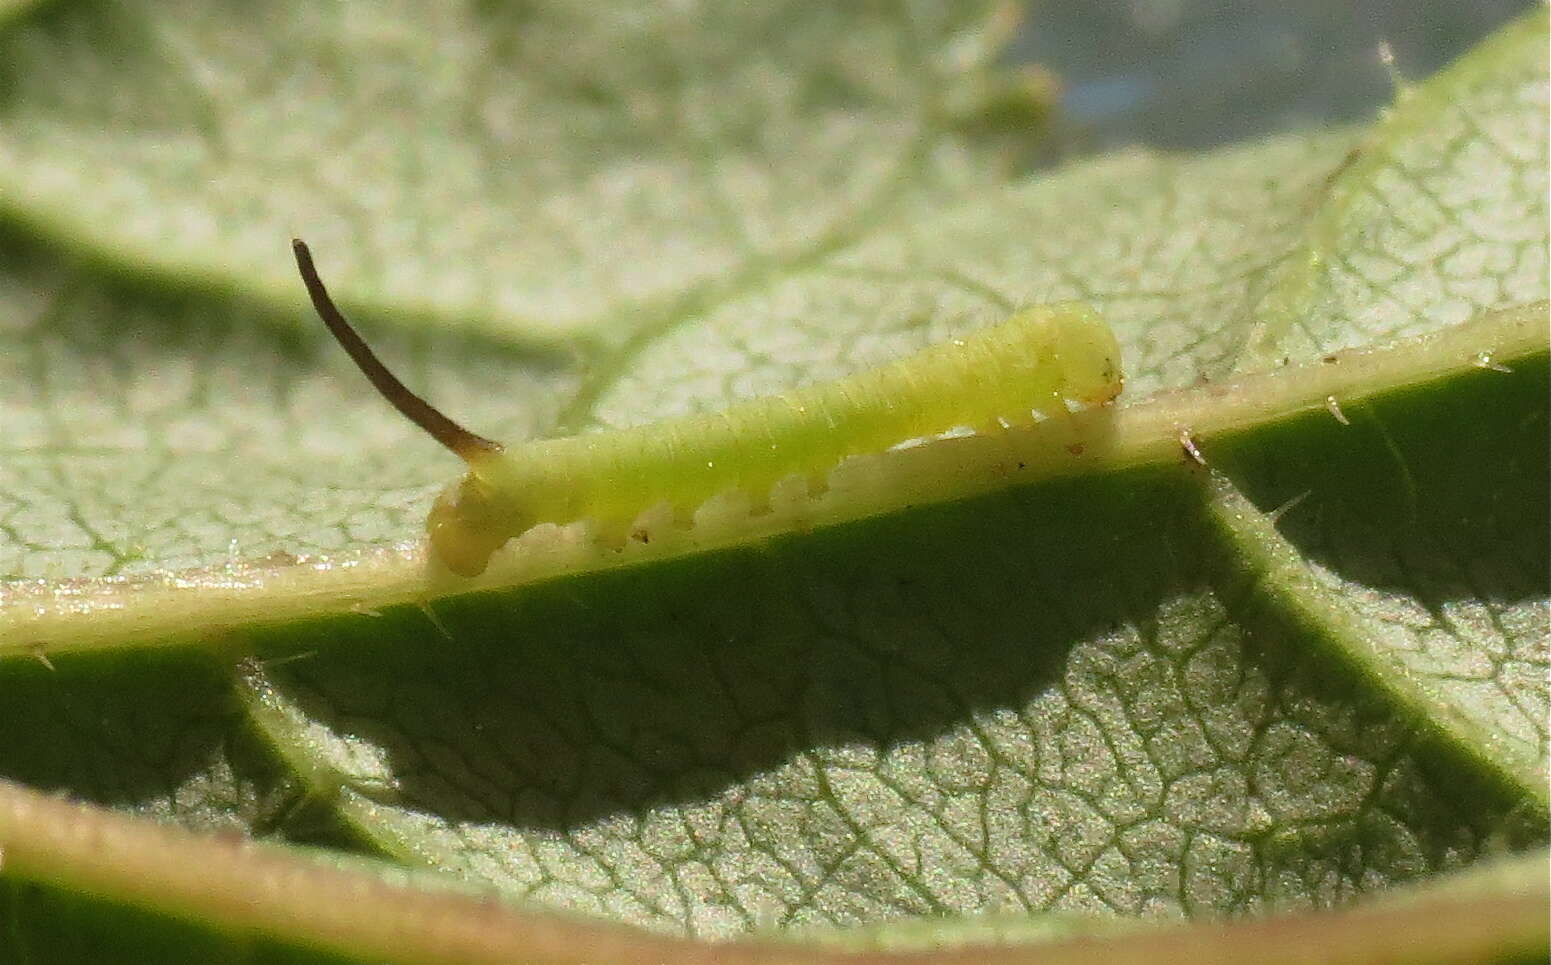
1089 356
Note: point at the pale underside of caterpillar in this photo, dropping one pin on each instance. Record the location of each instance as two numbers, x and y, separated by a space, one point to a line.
1039 363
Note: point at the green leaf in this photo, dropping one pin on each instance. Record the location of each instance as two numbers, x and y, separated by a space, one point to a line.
1266 639
259 903
522 170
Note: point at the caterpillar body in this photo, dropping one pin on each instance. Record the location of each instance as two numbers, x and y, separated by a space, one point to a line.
1042 359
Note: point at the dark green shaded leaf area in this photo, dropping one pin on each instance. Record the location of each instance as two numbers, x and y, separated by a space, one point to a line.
1267 657
61 926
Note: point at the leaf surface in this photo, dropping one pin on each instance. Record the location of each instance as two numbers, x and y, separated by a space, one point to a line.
1064 679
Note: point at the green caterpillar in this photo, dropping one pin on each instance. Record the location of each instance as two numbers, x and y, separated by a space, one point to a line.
1040 359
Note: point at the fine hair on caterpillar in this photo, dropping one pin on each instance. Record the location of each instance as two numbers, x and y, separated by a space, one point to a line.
1045 359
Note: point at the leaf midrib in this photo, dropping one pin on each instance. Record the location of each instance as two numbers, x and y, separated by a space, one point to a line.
41 617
